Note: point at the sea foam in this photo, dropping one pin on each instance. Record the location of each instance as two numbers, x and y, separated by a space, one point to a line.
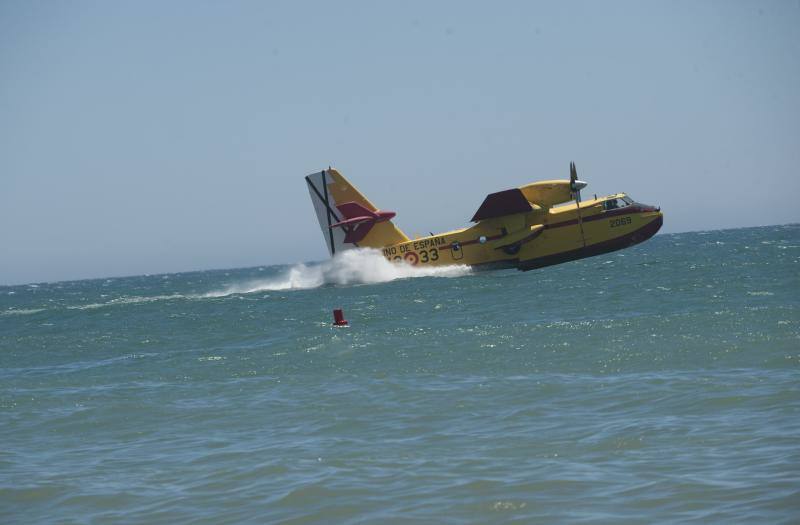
359 266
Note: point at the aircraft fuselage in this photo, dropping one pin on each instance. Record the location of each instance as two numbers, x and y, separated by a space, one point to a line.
539 238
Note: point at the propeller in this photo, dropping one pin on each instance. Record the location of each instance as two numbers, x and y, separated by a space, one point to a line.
575 187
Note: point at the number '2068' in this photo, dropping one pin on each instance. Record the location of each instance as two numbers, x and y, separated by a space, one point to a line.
620 221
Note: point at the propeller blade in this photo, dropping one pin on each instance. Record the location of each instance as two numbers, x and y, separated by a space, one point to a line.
573 177
575 185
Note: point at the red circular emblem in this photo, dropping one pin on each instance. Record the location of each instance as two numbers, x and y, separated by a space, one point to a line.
411 258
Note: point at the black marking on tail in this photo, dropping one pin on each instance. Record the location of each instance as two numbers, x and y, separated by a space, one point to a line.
317 192
328 207
331 212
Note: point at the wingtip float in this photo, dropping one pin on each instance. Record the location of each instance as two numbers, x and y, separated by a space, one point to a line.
532 226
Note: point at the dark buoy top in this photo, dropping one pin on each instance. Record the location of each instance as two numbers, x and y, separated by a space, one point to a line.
338 318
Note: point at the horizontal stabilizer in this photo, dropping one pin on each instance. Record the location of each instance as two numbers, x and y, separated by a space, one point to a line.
358 220
352 210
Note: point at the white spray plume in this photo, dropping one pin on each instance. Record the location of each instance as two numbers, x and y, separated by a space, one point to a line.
358 266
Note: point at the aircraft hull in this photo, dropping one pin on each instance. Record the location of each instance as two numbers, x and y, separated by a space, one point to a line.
611 245
492 245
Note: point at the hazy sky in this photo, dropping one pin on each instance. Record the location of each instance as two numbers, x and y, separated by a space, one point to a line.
148 137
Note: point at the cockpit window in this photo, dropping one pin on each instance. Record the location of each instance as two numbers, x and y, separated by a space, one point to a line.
613 204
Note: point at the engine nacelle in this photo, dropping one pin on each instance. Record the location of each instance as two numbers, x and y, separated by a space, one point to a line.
548 192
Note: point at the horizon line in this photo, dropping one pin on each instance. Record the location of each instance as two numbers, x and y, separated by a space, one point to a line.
196 270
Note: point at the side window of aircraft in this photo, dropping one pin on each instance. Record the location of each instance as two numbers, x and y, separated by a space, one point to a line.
613 204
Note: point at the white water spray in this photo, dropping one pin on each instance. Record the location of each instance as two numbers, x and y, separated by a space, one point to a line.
360 266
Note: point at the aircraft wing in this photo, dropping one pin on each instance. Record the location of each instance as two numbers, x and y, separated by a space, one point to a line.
502 203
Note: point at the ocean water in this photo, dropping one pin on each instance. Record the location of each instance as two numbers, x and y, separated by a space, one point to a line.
656 384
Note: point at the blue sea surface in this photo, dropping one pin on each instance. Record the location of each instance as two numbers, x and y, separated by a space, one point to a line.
656 384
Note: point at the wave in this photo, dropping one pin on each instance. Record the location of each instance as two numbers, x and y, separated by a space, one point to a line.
131 300
22 311
361 266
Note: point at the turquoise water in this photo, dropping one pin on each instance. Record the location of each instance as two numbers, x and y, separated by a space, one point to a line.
656 384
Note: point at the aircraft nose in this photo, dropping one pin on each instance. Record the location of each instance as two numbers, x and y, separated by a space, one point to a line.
649 229
648 207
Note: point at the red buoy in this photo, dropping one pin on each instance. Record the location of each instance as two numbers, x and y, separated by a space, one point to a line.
338 318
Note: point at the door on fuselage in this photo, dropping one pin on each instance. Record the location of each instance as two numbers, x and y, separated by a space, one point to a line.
456 251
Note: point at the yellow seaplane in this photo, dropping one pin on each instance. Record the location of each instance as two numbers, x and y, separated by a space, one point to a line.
536 225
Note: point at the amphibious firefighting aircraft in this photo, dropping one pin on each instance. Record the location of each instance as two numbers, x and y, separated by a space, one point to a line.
535 225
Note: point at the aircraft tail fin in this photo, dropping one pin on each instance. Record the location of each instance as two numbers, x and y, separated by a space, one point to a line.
346 217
